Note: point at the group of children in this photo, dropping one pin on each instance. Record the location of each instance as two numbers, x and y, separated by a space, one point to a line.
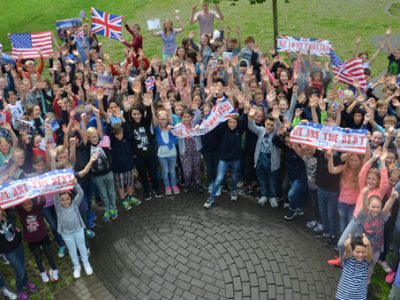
114 138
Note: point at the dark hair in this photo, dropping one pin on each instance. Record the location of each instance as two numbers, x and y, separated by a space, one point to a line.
117 130
356 241
187 111
270 118
367 72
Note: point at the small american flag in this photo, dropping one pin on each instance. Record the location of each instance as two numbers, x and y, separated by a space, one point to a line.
28 44
106 24
348 71
105 142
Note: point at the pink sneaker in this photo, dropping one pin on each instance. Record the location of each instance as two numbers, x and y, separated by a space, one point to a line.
176 190
168 190
23 296
390 277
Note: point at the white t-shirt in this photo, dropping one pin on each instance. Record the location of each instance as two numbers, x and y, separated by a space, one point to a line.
17 111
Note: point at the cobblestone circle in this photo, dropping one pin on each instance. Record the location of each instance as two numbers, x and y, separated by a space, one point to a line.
174 249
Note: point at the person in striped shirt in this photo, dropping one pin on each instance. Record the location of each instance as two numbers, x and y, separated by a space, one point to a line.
353 283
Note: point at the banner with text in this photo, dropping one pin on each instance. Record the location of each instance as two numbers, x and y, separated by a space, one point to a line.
330 137
303 45
16 192
220 113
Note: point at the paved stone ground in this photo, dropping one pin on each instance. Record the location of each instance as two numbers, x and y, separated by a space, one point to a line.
174 249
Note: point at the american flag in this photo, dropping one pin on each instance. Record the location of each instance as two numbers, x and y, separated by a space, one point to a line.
28 44
106 24
348 71
105 142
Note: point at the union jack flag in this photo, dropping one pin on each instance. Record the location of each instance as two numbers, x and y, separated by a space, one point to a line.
106 24
150 83
348 71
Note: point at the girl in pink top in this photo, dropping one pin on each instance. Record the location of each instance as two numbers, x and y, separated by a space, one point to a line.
375 179
349 185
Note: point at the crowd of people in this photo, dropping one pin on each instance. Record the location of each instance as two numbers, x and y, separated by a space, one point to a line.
119 140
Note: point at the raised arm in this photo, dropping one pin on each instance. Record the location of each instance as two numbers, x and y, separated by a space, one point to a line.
193 16
219 14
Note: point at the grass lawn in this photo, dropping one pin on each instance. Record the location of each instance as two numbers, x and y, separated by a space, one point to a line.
338 21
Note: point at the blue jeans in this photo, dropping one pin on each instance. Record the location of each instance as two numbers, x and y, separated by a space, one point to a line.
168 165
327 202
17 261
345 215
297 193
105 185
75 241
268 181
49 213
222 168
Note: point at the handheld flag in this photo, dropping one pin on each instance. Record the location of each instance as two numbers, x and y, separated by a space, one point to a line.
106 24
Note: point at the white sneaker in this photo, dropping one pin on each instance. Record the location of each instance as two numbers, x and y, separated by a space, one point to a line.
319 228
274 202
234 196
88 268
53 275
44 277
311 224
8 294
385 266
262 201
77 272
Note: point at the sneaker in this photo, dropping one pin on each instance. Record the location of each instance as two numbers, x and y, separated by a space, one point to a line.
274 202
147 197
262 201
113 214
219 192
186 189
45 278
319 228
90 224
30 286
168 190
158 194
126 205
335 262
240 184
291 214
234 196
385 266
286 205
106 216
8 294
77 272
88 268
4 259
90 234
176 190
53 275
134 201
208 204
61 252
199 189
300 212
390 277
23 296
246 191
311 224
331 242
225 189
92 216
321 234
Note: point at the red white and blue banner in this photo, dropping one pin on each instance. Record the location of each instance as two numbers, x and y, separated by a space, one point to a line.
220 113
330 137
16 192
106 24
298 44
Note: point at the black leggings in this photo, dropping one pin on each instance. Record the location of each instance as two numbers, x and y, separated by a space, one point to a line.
44 246
148 165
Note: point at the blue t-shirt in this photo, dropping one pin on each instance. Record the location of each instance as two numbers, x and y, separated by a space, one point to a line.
353 283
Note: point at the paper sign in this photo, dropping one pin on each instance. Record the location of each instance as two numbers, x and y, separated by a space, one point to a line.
153 24
303 45
22 125
64 25
330 137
